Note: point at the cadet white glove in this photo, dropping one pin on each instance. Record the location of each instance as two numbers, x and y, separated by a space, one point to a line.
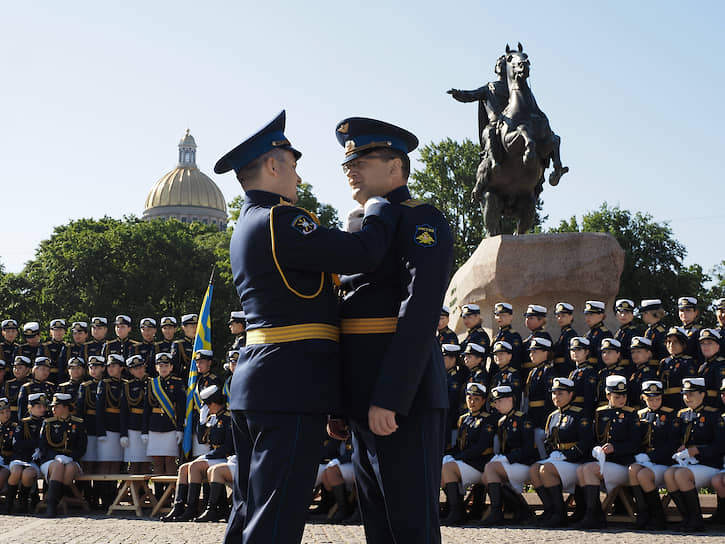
179 437
681 457
354 219
642 459
600 456
124 441
145 438
204 414
557 456
499 459
102 438
36 454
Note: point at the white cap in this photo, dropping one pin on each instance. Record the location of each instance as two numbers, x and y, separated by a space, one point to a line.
97 321
115 358
168 320
451 348
538 341
709 333
148 322
536 309
208 392
32 326
579 342
625 302
560 306
123 319
640 341
478 348
475 387
503 306
502 345
590 305
613 380
471 308
189 317
238 314
445 310
609 343
96 359
694 381
646 385
204 354
163 357
33 397
686 301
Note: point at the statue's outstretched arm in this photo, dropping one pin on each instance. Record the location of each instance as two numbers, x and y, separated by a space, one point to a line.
469 96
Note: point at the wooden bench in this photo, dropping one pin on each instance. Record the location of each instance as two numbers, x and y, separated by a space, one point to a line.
134 489
163 505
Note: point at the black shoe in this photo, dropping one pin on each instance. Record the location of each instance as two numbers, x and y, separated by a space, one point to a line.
10 498
52 498
593 517
543 518
642 506
656 511
694 522
718 517
22 506
456 515
580 505
343 508
192 503
182 490
517 504
495 512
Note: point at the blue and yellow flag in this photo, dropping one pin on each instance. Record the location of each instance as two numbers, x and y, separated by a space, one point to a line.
201 341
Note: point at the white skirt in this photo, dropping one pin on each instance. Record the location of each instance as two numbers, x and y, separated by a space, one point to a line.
469 475
110 449
162 444
24 464
703 474
198 449
567 473
518 475
211 462
659 472
614 474
45 466
136 451
91 449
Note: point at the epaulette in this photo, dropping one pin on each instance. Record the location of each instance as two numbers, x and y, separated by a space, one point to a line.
683 356
667 409
576 408
411 203
87 382
518 413
660 328
604 329
642 411
76 419
627 408
601 408
460 420
682 411
51 419
711 409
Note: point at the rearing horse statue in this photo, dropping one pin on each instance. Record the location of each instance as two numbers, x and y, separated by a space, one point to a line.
516 149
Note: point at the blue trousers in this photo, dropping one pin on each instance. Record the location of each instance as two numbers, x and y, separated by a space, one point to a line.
398 479
281 459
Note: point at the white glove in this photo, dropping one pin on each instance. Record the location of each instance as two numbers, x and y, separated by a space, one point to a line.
681 457
499 459
448 459
372 201
102 438
124 442
36 454
204 414
145 438
63 459
692 460
642 459
355 219
600 456
557 456
179 437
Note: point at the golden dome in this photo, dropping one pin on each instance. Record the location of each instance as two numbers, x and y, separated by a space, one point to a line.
186 186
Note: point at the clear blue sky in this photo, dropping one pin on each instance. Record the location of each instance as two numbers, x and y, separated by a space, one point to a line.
96 95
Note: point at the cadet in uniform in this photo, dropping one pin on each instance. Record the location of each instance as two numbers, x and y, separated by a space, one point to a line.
86 410
703 441
108 423
624 311
652 313
99 330
132 405
661 429
610 353
11 388
507 375
713 366
676 367
24 469
39 384
205 378
32 348
503 313
445 334
474 359
617 438
471 315
455 380
122 345
168 331
237 325
9 345
147 348
535 321
718 481
217 433
584 376
62 444
336 478
568 442
7 431
183 350
230 366
76 369
279 254
3 374
536 402
563 363
506 473
56 351
474 448
594 315
689 314
645 369
79 349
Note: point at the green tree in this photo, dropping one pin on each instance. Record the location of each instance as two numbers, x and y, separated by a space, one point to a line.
653 258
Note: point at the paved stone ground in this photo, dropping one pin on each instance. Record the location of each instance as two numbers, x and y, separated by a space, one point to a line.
131 530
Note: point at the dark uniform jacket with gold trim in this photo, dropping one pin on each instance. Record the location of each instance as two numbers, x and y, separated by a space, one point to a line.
217 432
619 427
585 378
562 358
71 388
671 373
94 347
132 405
86 405
477 335
57 352
508 375
8 353
569 432
27 438
474 444
11 390
713 370
125 347
281 263
595 335
455 380
7 432
181 353
154 417
77 350
516 438
624 334
507 334
447 336
693 340
63 437
108 405
148 351
641 373
31 352
239 342
31 387
704 427
661 429
620 368
526 364
537 393
657 334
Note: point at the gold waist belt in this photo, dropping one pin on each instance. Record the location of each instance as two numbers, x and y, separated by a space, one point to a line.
536 403
369 325
136 410
565 445
157 410
90 412
578 399
291 333
113 410
559 359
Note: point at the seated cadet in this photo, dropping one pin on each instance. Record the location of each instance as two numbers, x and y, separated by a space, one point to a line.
584 376
62 444
610 353
11 388
76 371
594 314
474 360
535 321
168 332
219 476
563 363
471 315
79 333
503 314
445 334
216 431
56 351
661 428
237 325
39 384
675 368
624 312
337 478
568 442
86 410
699 456
507 375
473 449
713 366
536 401
689 314
24 469
99 330
506 473
7 431
454 385
131 417
645 369
652 313
617 437
330 449
32 348
718 481
108 424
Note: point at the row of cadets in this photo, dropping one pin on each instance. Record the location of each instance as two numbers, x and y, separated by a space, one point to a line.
712 369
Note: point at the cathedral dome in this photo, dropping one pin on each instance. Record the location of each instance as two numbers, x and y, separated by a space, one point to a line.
186 193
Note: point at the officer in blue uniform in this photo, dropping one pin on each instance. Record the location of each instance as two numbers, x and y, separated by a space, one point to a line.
584 376
652 313
644 368
675 368
713 366
9 328
56 351
280 257
393 374
147 348
99 330
168 331
445 334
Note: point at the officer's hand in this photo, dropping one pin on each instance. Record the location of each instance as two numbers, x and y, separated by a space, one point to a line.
354 219
693 451
102 438
382 421
608 448
124 441
338 429
145 438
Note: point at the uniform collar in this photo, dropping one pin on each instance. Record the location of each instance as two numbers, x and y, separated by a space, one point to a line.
506 328
401 194
263 198
564 408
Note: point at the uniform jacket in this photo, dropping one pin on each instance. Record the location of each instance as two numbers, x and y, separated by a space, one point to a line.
30 387
474 445
447 336
537 393
713 370
585 378
562 358
11 390
476 335
217 432
57 352
125 347
154 417
641 373
71 388
26 438
508 375
595 335
624 334
148 351
63 437
620 368
661 429
569 432
7 433
704 427
516 438
657 333
132 405
526 364
86 405
619 427
507 334
671 372
108 405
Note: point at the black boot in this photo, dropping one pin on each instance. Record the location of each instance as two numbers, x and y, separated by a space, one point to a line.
593 517
656 511
517 504
192 503
478 498
343 507
52 498
23 500
456 514
580 505
204 495
326 502
679 501
694 523
495 513
545 516
10 498
558 517
212 512
179 503
718 517
642 508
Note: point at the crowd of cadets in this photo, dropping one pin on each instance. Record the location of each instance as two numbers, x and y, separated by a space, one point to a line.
642 407
117 404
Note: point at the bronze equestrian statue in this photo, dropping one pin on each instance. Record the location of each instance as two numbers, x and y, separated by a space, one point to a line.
517 144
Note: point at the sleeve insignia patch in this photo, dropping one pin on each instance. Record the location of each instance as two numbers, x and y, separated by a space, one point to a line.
304 225
425 236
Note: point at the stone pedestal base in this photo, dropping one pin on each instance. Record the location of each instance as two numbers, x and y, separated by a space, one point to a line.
538 269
